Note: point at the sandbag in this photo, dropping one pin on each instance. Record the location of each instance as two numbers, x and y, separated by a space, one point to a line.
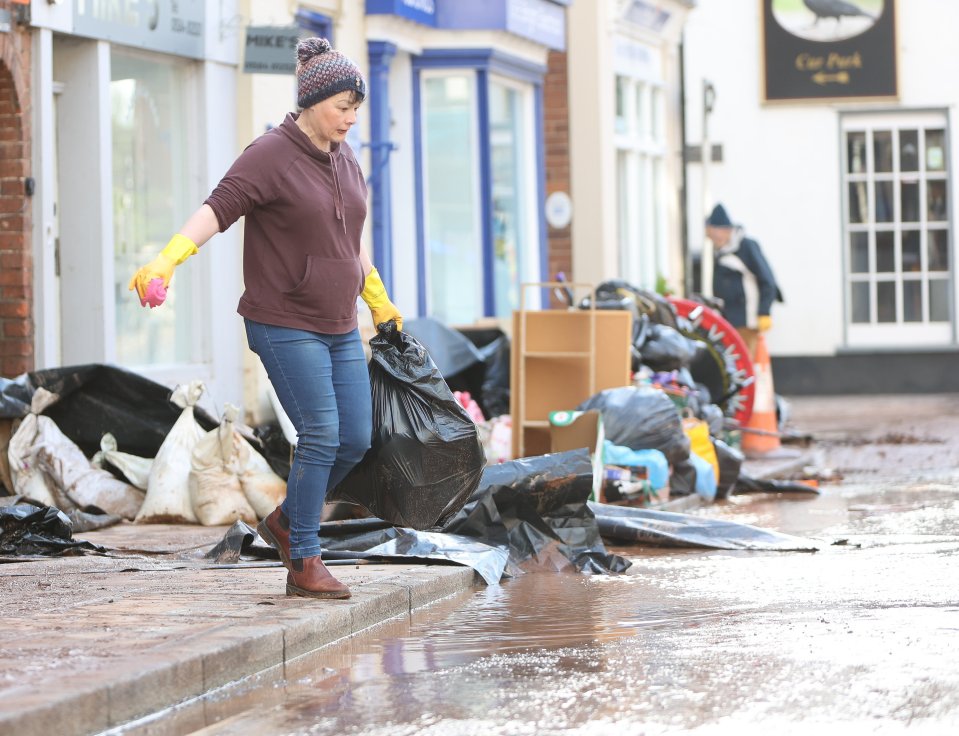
215 490
168 489
29 480
264 489
134 468
48 467
426 458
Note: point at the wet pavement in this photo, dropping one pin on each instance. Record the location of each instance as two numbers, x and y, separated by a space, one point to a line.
859 637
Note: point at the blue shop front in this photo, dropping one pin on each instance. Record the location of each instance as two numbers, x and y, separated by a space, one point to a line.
456 151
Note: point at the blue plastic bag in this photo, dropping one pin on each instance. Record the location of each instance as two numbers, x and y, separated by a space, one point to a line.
657 467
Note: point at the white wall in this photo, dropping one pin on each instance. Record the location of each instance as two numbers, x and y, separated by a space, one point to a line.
780 174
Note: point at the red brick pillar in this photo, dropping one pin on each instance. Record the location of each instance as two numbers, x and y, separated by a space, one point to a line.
556 122
16 259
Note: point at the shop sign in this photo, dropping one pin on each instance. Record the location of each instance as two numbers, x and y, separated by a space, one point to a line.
421 11
170 26
646 15
271 49
540 21
827 50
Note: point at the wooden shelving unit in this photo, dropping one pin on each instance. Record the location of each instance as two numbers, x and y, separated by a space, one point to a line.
559 359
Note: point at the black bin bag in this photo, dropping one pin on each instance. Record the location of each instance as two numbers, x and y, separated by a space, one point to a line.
426 458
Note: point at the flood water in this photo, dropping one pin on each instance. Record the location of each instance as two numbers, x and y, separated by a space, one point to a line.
860 637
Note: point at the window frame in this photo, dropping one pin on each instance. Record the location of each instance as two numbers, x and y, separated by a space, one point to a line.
487 65
898 332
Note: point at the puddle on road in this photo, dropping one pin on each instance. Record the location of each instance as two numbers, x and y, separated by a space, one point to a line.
861 635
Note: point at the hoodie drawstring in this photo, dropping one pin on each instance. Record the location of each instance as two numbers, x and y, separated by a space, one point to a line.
337 193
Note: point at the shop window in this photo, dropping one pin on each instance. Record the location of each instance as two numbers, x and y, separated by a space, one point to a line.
480 227
451 207
513 231
898 229
150 146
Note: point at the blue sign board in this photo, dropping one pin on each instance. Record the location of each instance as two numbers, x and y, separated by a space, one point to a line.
421 11
541 21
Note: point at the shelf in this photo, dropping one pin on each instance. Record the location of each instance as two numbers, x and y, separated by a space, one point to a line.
536 423
563 354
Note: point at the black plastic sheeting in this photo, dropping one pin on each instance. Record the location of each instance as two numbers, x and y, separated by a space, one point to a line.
625 525
426 458
539 505
748 484
15 396
525 515
96 399
29 528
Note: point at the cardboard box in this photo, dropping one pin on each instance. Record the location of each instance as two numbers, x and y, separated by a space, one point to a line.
571 430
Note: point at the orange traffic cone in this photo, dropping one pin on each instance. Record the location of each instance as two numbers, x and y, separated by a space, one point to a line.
761 433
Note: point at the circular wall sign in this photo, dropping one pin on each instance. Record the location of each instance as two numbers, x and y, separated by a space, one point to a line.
559 210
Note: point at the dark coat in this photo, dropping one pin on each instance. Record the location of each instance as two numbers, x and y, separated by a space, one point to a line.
744 281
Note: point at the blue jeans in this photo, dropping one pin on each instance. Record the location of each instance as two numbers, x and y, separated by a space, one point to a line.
323 385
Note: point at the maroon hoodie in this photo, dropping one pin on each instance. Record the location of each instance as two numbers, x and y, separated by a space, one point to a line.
304 211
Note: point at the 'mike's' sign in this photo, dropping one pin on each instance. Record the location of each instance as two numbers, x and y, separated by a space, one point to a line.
827 49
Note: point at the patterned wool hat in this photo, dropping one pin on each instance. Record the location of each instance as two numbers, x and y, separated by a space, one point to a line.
322 72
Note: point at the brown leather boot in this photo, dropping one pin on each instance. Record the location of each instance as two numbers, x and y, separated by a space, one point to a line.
309 577
275 529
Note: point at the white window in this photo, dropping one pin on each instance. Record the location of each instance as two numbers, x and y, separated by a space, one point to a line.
898 244
452 226
150 98
476 167
641 200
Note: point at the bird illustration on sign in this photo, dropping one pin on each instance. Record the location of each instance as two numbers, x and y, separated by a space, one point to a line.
827 20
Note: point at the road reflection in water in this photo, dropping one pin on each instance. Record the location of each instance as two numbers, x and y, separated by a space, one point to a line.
862 635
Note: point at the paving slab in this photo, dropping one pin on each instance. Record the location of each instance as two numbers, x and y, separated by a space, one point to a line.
91 642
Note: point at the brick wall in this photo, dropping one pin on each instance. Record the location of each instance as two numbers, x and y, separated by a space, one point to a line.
16 259
556 121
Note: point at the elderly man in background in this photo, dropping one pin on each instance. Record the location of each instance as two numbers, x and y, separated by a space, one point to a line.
741 278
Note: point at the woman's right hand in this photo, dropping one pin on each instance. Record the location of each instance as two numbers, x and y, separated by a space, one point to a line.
161 267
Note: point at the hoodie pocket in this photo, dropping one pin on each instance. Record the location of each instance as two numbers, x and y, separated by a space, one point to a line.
328 289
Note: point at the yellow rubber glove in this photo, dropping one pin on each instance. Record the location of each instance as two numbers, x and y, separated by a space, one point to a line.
374 294
765 322
176 251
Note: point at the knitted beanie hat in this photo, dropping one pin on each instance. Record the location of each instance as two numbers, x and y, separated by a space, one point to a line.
719 218
322 72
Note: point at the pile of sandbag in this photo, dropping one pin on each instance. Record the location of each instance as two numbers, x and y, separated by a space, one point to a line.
47 466
210 478
214 477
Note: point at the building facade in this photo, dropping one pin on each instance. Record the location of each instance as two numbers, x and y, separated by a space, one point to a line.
503 141
626 141
134 121
837 155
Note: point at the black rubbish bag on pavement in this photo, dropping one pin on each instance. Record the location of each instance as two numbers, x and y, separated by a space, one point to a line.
539 509
642 419
31 528
667 349
426 458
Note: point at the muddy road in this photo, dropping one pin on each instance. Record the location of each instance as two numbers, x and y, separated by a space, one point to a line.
859 637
